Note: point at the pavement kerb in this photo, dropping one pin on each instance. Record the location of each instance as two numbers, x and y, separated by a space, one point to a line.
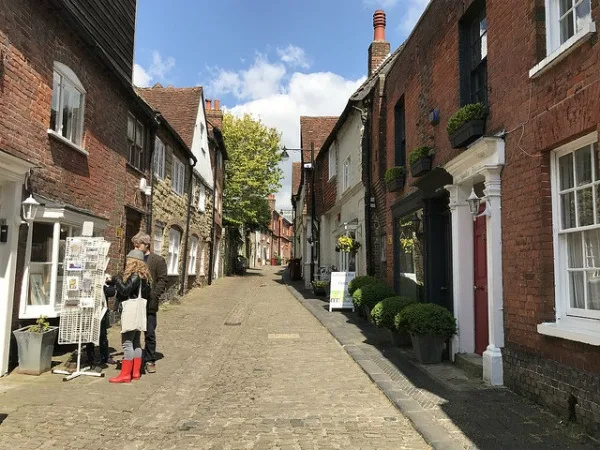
433 433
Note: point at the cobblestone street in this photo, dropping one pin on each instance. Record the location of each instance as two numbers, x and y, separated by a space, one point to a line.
245 366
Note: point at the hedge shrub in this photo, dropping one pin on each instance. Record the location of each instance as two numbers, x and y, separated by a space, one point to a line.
385 311
359 282
371 294
426 318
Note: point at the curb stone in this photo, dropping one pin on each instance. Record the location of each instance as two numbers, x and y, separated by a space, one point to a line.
433 433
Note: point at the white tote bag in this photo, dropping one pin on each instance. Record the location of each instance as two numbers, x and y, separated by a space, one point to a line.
133 315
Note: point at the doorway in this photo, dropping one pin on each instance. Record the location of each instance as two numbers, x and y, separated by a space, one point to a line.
480 283
132 227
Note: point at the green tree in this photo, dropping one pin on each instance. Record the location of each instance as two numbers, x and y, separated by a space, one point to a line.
252 170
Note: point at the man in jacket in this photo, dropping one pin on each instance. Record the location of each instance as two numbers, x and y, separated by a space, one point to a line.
157 267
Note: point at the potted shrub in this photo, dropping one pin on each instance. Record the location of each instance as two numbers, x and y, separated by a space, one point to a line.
384 313
358 282
429 326
394 178
466 125
320 287
35 346
368 296
420 161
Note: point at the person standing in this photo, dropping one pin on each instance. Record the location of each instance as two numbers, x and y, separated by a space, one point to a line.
157 266
135 283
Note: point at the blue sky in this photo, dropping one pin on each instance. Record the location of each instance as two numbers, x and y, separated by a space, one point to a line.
277 59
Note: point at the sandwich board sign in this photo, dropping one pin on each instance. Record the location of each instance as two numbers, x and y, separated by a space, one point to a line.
339 297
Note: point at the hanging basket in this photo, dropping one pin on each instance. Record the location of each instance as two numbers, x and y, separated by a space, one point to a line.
348 244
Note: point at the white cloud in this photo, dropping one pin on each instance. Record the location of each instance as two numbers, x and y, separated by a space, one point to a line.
293 56
411 15
158 71
280 98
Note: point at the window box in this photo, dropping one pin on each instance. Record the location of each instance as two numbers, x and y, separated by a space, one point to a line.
420 160
469 132
397 184
394 179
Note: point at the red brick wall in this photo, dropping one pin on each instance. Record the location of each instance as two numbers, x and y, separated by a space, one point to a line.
325 189
32 37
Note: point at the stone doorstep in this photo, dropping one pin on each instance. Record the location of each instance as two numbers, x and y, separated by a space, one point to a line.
470 363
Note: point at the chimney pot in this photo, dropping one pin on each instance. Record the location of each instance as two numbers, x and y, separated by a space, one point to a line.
208 104
217 105
379 25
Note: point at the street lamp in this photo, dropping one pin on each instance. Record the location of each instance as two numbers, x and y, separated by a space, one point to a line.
30 207
284 157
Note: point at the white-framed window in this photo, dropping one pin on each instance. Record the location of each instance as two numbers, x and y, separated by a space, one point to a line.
332 161
202 258
173 258
157 238
565 20
193 256
346 174
178 176
68 100
201 197
159 159
575 179
135 141
42 283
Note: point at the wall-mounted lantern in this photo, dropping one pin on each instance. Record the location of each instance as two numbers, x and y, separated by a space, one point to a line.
30 207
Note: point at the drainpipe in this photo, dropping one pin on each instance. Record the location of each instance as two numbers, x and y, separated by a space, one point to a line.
187 227
366 153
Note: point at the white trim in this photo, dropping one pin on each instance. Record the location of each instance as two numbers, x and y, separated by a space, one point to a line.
575 41
68 73
67 142
159 159
573 329
174 250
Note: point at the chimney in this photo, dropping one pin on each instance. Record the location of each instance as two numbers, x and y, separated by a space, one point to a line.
208 104
215 115
379 48
271 202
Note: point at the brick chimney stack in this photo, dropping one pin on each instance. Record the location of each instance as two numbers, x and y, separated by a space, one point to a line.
379 48
271 200
214 112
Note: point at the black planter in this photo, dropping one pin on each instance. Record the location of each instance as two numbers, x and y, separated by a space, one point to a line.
420 166
319 291
395 185
428 349
469 132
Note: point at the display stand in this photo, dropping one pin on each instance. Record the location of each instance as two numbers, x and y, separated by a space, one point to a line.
83 303
339 298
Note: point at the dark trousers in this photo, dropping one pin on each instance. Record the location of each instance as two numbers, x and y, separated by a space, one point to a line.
89 347
150 339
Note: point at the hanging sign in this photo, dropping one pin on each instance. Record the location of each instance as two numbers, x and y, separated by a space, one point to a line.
339 297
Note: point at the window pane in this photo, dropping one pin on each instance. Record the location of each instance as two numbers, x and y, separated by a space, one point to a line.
585 205
582 13
39 284
130 128
565 164
71 112
55 102
576 290
483 34
593 286
41 242
566 28
568 210
139 135
574 250
592 248
583 165
564 6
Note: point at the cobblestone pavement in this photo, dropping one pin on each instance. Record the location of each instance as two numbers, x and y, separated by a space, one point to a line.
451 410
245 366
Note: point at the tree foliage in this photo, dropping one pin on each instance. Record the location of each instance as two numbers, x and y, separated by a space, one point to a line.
252 170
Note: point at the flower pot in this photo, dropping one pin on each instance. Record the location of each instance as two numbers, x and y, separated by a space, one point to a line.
395 185
319 291
35 350
469 132
420 166
428 349
401 338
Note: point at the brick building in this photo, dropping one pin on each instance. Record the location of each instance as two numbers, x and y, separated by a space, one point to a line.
531 251
66 99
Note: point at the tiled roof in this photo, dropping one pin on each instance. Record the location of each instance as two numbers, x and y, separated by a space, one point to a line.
296 176
315 130
178 105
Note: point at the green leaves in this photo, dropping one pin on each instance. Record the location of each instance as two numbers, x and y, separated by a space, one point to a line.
252 170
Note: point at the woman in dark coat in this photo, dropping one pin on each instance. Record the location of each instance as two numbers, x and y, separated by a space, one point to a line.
136 274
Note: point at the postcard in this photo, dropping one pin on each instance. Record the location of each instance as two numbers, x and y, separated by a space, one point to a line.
73 283
74 265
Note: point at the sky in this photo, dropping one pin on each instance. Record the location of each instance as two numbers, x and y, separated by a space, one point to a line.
274 59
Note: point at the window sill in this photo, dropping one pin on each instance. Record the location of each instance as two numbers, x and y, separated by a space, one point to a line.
135 169
172 274
573 329
564 50
67 142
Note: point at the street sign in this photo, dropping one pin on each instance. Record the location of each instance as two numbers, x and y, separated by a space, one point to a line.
339 297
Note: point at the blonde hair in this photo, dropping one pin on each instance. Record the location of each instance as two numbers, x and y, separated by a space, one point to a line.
133 265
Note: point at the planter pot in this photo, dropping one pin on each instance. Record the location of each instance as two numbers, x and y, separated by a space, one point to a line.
428 349
397 184
367 312
35 350
420 166
320 291
401 338
359 310
469 132
384 335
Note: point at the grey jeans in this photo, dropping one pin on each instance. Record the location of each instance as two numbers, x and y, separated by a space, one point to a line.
131 344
